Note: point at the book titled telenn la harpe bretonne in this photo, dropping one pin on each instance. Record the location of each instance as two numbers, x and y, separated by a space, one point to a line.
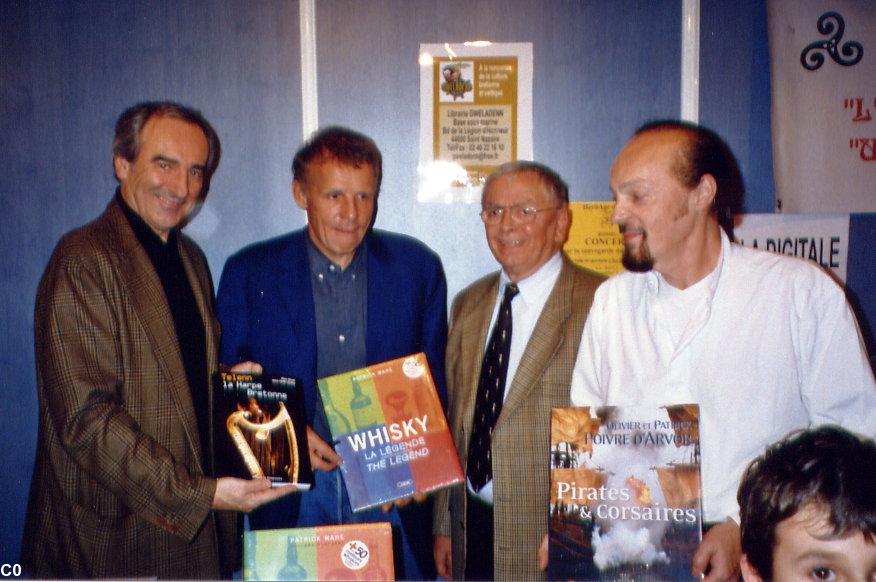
625 500
360 551
389 428
261 430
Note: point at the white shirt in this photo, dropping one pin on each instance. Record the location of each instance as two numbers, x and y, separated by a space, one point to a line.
679 305
526 308
773 346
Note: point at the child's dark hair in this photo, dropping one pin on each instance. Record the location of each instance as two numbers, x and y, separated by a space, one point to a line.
826 467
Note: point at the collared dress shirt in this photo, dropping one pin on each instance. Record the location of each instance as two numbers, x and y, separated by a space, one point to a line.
771 347
525 311
340 310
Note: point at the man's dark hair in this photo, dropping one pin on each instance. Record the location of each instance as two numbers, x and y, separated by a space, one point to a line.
827 468
126 143
706 153
348 147
549 178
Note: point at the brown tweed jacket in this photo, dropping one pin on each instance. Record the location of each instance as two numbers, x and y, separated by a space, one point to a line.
118 489
520 446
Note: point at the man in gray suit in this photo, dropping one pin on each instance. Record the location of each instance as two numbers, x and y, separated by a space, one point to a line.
126 342
513 339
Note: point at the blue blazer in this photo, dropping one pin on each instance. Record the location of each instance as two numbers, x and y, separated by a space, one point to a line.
265 307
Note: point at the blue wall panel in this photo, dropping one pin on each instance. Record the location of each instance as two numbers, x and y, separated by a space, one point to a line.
735 90
861 279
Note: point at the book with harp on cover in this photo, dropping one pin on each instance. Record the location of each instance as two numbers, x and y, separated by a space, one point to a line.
261 430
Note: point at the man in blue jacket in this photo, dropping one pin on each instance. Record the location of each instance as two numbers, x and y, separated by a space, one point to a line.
336 296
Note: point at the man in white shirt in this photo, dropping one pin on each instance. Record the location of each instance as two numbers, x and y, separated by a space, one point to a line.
764 343
512 344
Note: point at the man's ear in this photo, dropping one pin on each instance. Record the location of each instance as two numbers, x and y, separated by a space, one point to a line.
122 167
299 195
564 223
749 573
705 192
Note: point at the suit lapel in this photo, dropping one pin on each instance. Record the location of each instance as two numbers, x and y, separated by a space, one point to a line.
153 313
295 290
203 291
377 306
546 339
473 335
295 321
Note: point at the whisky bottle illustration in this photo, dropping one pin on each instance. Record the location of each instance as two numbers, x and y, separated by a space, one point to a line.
292 570
360 404
338 423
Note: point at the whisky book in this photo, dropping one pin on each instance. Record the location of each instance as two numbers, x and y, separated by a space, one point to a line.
261 430
388 426
361 551
626 498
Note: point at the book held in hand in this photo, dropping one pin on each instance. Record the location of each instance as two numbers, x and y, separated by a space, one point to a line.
626 499
389 429
261 430
360 551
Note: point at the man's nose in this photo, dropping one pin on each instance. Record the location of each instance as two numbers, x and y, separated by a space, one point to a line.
179 183
619 212
506 221
348 209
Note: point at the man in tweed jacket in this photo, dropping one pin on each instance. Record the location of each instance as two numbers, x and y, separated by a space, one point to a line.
126 342
526 216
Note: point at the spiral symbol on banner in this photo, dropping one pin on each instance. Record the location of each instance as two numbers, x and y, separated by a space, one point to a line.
812 56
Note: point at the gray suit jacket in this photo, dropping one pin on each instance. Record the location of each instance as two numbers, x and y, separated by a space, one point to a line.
118 488
520 446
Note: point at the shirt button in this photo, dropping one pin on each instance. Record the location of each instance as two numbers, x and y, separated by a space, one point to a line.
332 268
342 338
320 277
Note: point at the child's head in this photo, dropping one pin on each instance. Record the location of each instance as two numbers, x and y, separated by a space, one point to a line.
808 509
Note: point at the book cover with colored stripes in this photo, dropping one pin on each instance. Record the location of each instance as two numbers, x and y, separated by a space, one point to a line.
361 551
388 426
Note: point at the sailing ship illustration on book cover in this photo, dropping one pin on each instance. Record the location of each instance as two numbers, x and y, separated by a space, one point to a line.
260 429
360 551
626 500
389 428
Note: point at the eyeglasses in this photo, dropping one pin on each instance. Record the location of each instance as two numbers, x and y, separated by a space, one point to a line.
518 212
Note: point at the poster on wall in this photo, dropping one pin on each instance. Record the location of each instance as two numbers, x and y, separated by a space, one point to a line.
821 238
594 241
823 64
475 115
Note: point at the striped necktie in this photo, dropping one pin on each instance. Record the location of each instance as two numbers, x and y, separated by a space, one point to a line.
491 394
